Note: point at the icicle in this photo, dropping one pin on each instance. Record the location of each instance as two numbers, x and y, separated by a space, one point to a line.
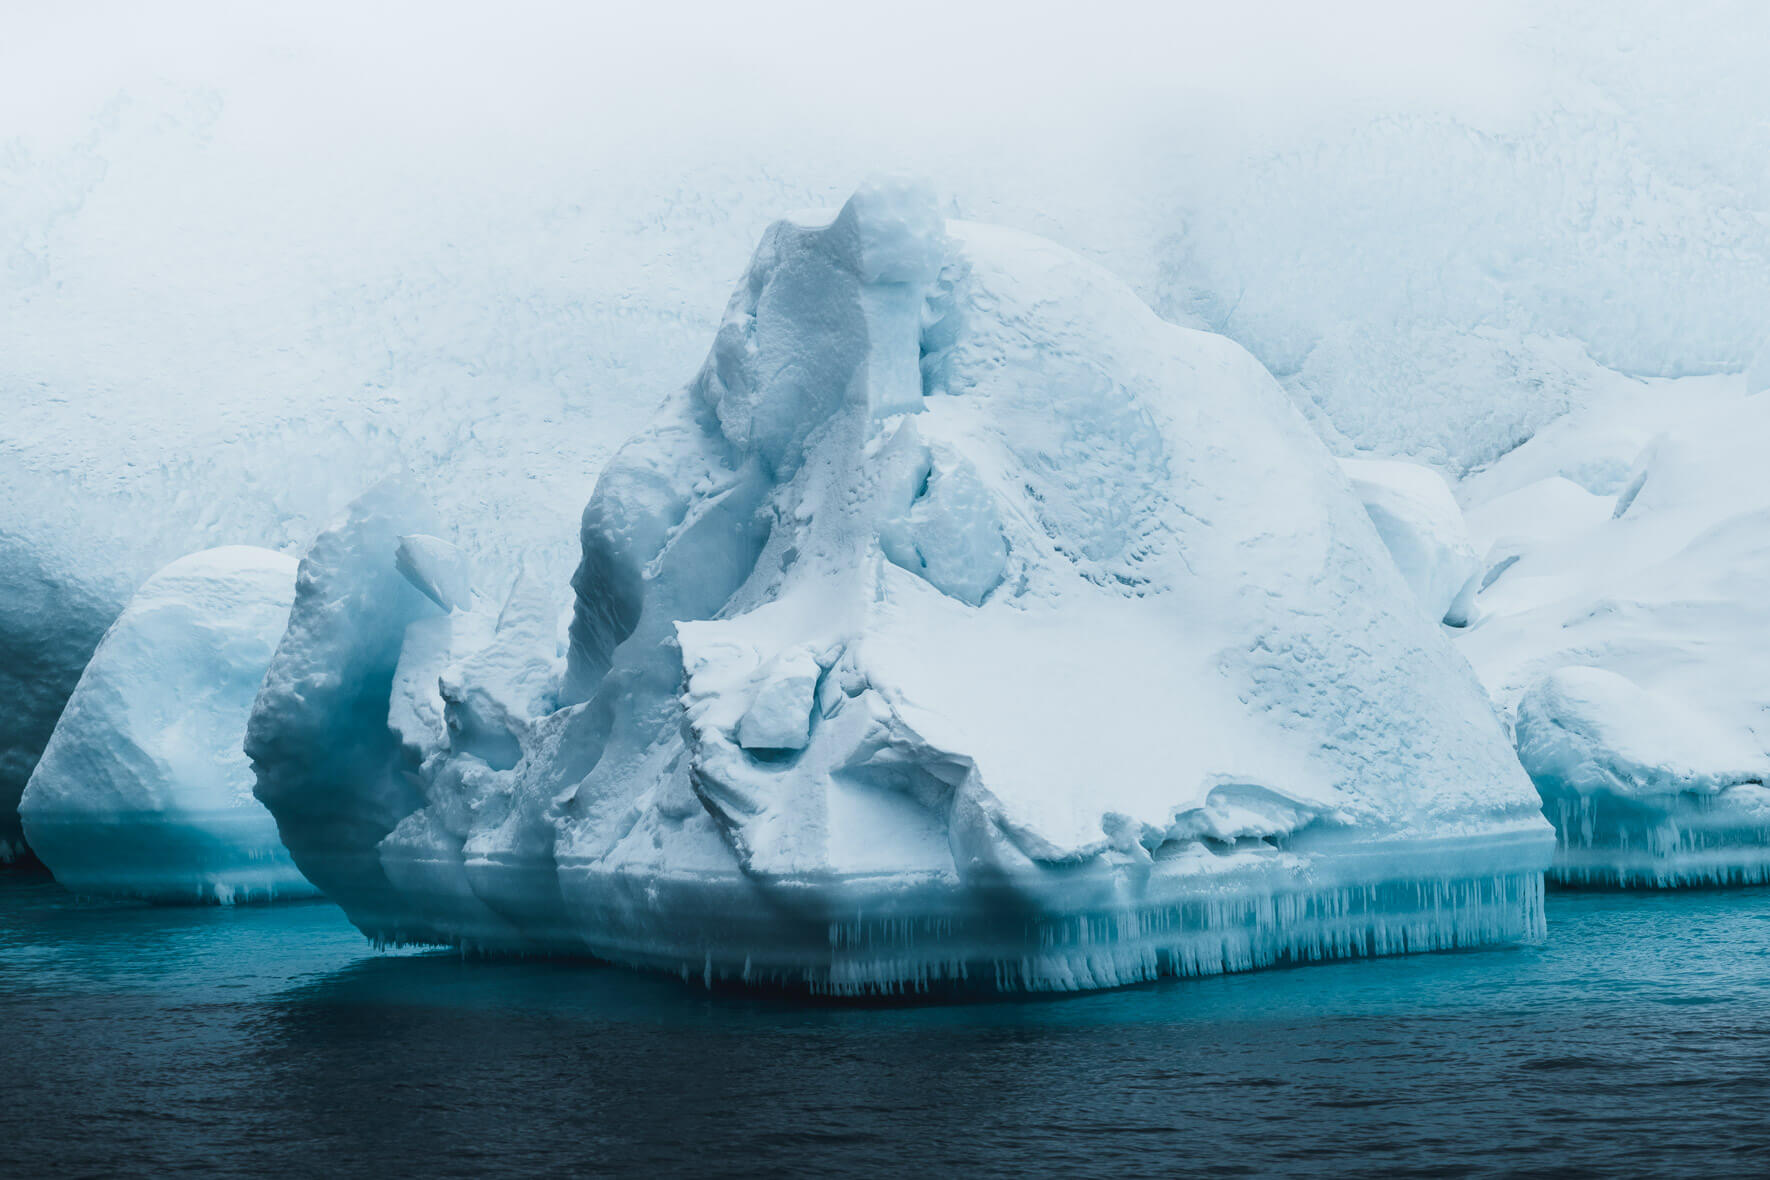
1200 936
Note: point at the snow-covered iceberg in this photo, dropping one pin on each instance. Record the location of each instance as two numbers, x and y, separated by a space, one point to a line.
1625 627
143 789
960 620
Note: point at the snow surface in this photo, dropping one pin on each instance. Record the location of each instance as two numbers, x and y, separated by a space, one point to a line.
960 619
143 789
1625 627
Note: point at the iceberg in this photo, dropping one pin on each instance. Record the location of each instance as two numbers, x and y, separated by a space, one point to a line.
1644 788
502 338
1625 631
143 789
960 624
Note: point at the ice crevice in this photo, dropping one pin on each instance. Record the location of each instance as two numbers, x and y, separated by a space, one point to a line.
960 621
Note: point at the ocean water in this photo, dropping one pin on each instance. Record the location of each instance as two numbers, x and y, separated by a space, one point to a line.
152 1041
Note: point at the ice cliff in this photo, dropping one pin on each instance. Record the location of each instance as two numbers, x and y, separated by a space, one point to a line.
143 789
960 620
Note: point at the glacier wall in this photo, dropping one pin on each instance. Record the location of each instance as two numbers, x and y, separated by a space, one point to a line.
50 624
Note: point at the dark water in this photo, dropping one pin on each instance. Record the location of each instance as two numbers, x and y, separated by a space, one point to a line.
142 1041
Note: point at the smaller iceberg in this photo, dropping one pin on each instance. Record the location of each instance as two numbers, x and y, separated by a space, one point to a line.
1643 788
1626 633
143 789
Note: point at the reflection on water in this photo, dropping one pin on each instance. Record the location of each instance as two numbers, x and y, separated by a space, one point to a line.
145 1040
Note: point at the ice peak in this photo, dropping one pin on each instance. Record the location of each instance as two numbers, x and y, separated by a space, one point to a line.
891 231
829 318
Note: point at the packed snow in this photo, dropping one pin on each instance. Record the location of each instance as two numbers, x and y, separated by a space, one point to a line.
143 789
960 620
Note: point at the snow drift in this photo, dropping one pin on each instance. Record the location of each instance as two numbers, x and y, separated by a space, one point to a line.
960 620
143 789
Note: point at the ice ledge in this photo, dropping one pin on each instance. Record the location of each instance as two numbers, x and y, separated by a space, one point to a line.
1677 841
1612 868
1207 934
1094 927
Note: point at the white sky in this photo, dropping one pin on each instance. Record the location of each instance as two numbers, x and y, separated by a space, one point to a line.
693 68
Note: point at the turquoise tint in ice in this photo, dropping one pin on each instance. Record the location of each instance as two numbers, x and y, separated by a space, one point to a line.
143 789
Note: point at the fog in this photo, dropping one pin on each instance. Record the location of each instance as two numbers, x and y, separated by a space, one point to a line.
282 250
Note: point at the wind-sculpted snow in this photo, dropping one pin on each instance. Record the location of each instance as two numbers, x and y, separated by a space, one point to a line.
143 789
960 620
1626 627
